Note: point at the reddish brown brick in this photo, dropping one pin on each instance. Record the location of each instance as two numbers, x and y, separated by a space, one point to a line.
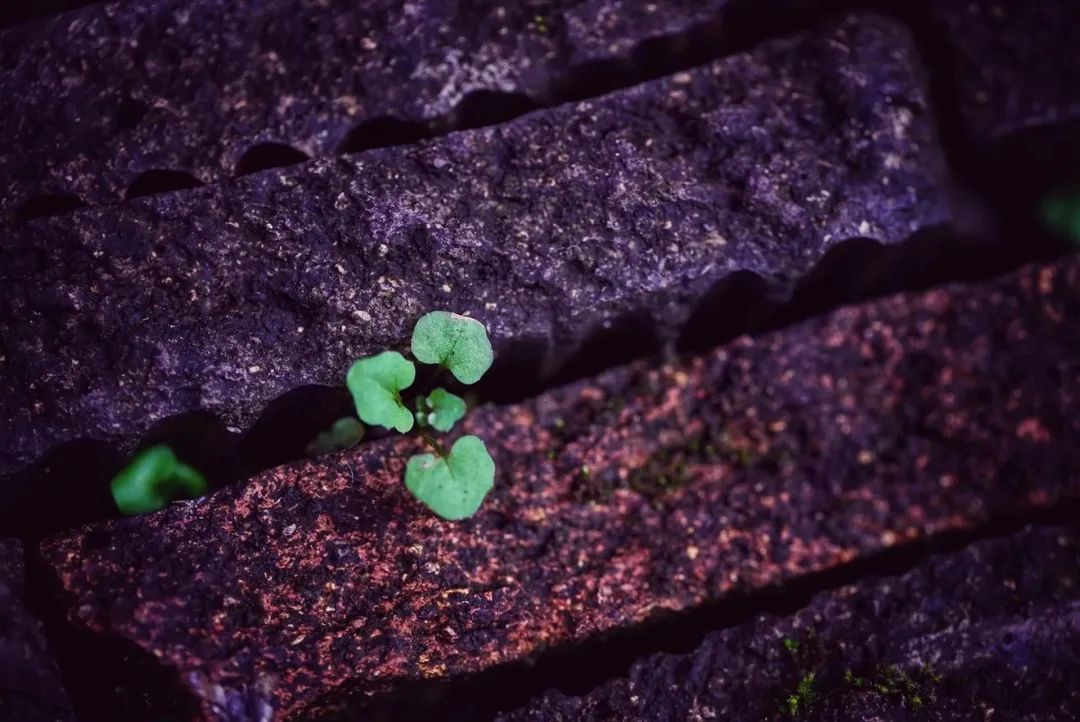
651 487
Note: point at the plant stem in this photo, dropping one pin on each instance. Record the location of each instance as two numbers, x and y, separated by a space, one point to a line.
433 442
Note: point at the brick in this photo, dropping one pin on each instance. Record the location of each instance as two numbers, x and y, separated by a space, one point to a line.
223 298
652 487
992 627
114 90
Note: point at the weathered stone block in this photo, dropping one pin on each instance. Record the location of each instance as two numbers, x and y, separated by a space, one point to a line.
224 298
651 487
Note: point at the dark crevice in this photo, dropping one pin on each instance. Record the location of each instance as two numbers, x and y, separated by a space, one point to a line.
854 271
129 113
157 181
16 12
265 156
579 668
741 303
486 107
383 132
47 204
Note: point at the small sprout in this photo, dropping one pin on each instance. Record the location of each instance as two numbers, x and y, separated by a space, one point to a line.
457 343
1061 213
452 485
376 383
440 410
803 697
346 433
154 478
791 645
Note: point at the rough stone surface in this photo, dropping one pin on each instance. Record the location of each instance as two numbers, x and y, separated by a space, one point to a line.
30 686
114 90
223 298
1016 63
991 632
651 487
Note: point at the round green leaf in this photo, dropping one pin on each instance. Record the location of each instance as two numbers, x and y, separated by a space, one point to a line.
376 383
153 478
346 433
453 486
440 410
458 343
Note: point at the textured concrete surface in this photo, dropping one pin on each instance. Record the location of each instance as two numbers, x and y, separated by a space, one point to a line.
647 488
30 685
224 298
114 90
990 632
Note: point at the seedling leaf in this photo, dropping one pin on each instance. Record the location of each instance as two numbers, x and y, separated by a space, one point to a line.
376 383
1061 213
441 410
153 478
346 433
457 343
452 486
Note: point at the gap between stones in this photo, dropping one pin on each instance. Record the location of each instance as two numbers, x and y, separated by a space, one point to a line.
69 485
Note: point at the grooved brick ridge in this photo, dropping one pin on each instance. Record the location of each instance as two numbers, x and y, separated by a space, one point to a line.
223 298
650 487
114 90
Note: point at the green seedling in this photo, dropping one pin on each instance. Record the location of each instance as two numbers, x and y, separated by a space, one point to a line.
451 483
440 410
154 478
1061 213
345 433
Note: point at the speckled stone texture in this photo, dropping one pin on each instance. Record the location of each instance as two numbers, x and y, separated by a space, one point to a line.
113 90
545 228
1017 63
991 632
30 686
650 487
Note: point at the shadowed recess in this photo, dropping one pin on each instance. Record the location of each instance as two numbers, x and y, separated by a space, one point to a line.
383 132
46 204
14 12
579 668
130 112
157 181
265 156
487 107
630 336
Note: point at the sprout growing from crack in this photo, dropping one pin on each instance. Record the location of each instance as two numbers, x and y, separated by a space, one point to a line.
451 483
345 433
154 478
1061 213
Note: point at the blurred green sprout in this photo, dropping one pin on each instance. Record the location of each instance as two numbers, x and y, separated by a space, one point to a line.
154 478
1061 213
